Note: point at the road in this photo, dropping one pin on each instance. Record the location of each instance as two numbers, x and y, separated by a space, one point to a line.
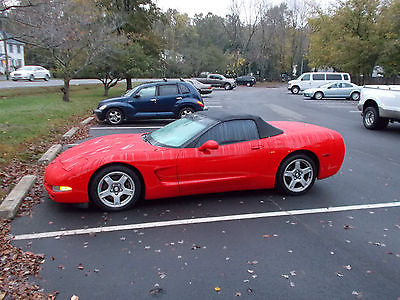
261 245
4 84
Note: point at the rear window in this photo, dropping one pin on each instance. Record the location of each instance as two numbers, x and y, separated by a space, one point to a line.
318 76
168 90
345 77
333 77
184 89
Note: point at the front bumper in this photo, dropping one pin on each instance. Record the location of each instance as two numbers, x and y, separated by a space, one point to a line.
99 114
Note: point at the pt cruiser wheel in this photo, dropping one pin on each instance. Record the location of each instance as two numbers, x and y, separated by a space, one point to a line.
114 116
185 111
115 188
296 175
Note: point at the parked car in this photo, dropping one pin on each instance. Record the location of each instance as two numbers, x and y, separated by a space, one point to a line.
335 90
205 152
217 80
203 89
151 100
379 105
246 80
313 80
30 73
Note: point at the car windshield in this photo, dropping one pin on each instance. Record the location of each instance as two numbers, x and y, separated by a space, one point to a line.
177 133
26 68
131 92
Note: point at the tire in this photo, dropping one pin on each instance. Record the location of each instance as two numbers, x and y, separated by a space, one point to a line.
295 90
227 86
248 84
46 77
185 111
114 116
355 96
115 188
31 77
296 175
318 95
371 119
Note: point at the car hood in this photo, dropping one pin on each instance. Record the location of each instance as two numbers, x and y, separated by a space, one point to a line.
116 99
105 149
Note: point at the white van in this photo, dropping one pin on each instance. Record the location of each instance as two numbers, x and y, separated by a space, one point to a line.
312 80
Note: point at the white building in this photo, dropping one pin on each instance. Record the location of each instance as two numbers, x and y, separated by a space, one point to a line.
15 52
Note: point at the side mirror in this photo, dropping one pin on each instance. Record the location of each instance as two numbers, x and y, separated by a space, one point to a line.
209 145
136 96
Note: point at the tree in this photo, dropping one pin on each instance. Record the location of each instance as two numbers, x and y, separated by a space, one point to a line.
73 31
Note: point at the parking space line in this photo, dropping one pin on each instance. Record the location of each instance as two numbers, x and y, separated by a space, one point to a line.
214 106
119 128
60 233
355 111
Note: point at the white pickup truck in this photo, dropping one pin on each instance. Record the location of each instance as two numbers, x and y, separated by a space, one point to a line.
379 105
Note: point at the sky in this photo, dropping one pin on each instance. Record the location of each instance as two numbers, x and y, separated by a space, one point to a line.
191 7
217 7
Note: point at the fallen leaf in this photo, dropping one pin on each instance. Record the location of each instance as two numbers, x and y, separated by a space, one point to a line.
266 236
347 267
291 284
250 271
339 274
217 289
348 227
238 294
74 297
80 267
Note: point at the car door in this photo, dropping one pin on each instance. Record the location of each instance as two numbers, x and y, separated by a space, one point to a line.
346 89
237 164
168 94
145 101
332 91
305 82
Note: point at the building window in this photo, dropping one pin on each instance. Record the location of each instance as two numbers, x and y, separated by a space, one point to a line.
10 48
18 49
19 64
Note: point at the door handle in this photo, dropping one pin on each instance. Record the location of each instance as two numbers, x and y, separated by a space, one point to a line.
256 147
178 98
153 100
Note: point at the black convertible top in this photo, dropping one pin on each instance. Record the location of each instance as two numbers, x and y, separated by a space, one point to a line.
264 129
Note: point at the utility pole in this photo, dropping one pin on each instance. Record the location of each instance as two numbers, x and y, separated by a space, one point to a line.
4 37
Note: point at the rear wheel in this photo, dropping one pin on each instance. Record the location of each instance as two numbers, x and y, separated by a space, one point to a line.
114 116
227 86
296 174
372 120
185 111
295 90
115 188
318 95
355 96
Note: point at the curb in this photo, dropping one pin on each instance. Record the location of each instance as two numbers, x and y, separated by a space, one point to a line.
50 154
70 133
9 206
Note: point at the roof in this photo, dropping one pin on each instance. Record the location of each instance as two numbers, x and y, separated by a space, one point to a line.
264 129
9 39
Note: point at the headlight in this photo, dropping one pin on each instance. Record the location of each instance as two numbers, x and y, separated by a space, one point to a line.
103 107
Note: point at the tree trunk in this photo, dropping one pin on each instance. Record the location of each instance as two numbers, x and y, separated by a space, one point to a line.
106 88
65 89
128 83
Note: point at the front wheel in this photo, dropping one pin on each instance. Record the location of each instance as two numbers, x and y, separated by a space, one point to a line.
372 120
115 188
318 95
227 86
296 175
114 116
295 90
185 111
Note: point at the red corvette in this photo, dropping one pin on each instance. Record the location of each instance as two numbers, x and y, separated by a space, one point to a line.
202 153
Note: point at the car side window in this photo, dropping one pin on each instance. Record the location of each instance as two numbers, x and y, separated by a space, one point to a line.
184 89
333 77
334 86
306 77
168 90
318 76
147 92
230 132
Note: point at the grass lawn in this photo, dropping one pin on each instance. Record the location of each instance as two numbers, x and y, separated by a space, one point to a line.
29 115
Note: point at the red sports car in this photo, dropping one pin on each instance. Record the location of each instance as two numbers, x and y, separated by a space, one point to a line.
205 152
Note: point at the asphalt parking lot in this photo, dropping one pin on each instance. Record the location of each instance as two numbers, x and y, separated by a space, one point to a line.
255 244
